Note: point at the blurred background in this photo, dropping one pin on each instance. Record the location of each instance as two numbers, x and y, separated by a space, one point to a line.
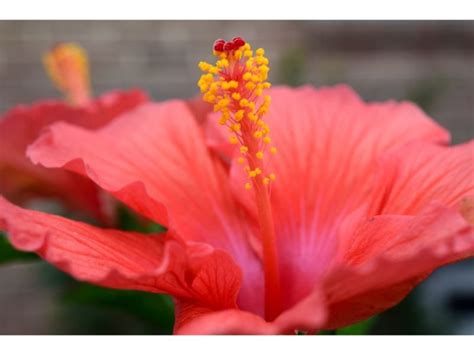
428 62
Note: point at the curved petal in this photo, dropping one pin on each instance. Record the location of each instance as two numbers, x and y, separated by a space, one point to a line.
308 315
154 159
419 173
329 142
197 321
20 180
126 260
388 256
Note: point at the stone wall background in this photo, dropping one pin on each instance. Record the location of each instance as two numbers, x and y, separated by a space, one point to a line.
430 62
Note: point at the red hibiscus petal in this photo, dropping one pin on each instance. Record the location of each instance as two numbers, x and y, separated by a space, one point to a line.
329 142
309 315
154 159
417 174
126 260
21 180
388 256
201 321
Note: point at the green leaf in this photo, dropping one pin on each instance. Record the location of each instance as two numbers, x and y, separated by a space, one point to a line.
361 328
327 332
10 254
154 310
129 221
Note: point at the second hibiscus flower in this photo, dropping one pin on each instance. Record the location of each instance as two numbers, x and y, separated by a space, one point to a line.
20 180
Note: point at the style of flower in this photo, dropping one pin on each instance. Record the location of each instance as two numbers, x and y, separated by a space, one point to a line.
20 180
361 202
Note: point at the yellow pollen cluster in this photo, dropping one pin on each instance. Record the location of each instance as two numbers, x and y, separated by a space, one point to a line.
235 86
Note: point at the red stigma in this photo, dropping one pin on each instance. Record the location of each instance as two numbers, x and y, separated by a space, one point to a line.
222 46
219 45
228 46
238 42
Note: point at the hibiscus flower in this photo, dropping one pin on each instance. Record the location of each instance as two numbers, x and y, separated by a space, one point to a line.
20 180
361 202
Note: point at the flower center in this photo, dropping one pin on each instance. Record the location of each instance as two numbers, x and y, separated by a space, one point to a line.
68 68
235 86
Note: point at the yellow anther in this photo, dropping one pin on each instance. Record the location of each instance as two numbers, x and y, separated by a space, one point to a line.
223 120
214 86
244 149
204 66
252 173
261 61
255 78
258 134
250 85
272 176
223 63
238 54
262 110
248 186
267 139
259 155
225 85
233 84
203 87
258 171
239 115
209 98
260 52
236 96
273 150
241 160
267 85
266 181
213 70
221 104
233 140
248 53
247 76
235 127
244 103
252 117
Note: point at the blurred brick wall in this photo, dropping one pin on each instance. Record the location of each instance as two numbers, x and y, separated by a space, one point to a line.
380 59
430 61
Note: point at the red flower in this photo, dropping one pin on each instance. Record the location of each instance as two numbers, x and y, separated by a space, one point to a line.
20 180
362 203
